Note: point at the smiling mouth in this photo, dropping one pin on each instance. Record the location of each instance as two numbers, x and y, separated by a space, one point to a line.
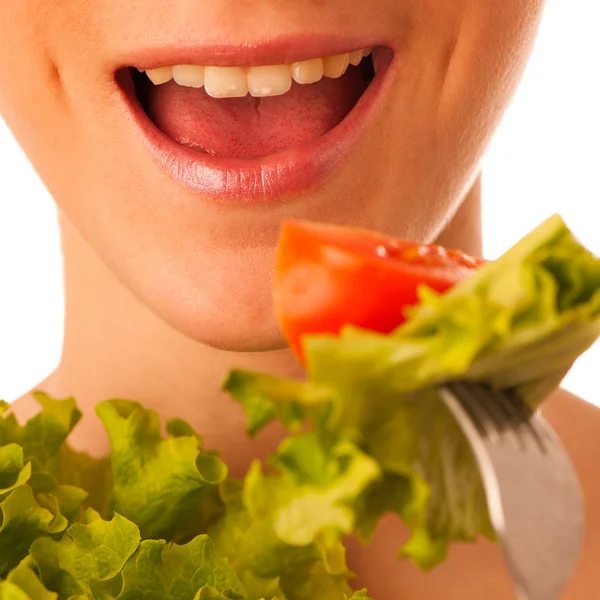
258 130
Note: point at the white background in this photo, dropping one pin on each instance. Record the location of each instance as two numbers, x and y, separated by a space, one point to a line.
545 158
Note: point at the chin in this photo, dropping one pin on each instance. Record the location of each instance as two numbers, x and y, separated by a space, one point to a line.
220 303
231 328
230 332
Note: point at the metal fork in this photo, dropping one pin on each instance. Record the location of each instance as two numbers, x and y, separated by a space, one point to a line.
533 495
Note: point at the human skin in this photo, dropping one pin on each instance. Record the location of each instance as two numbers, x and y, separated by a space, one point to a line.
166 290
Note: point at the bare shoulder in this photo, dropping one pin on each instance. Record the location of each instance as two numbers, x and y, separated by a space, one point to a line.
578 425
576 421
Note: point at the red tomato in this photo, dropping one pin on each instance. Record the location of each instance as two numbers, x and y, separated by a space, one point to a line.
329 276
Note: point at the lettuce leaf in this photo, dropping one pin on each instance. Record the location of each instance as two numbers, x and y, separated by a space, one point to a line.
519 322
283 528
13 471
162 485
33 503
161 572
23 522
42 436
89 552
78 471
23 583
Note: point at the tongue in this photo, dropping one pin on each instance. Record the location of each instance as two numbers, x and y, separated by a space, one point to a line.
253 127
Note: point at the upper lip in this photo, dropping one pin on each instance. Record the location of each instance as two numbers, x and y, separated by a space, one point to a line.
273 51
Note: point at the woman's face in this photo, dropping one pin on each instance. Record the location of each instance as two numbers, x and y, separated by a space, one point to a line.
185 211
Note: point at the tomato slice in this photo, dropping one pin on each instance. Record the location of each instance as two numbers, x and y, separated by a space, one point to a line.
329 276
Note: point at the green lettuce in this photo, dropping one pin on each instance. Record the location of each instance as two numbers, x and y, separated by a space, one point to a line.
163 485
160 517
289 520
32 502
94 551
192 571
23 583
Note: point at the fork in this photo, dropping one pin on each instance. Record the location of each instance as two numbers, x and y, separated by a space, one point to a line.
533 495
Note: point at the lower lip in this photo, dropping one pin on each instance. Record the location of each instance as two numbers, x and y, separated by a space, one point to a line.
274 177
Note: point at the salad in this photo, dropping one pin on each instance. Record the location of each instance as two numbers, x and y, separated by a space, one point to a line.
378 324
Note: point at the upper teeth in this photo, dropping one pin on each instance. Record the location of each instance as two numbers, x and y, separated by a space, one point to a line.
270 80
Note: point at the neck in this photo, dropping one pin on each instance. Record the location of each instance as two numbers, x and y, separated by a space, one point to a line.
114 347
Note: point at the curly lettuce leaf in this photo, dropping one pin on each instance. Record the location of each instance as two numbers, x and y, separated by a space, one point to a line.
80 471
42 436
315 580
33 454
13 471
94 551
74 479
23 583
362 594
160 484
291 516
283 528
33 504
310 496
265 398
23 522
519 322
11 591
169 572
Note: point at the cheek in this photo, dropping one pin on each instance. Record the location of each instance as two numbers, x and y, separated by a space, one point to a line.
21 57
32 99
38 42
457 71
488 55
466 58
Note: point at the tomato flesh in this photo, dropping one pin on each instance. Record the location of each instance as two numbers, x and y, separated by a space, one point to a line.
329 276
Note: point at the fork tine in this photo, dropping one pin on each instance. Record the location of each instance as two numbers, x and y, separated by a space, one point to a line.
514 414
513 418
521 418
491 411
530 424
476 409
